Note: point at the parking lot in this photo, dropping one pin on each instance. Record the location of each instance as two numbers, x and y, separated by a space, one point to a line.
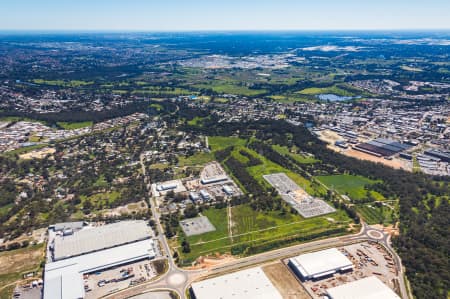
197 226
28 291
369 259
105 282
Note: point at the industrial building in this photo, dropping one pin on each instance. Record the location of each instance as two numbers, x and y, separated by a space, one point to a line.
166 186
215 179
382 147
92 239
246 284
90 250
205 195
438 154
228 190
366 288
320 264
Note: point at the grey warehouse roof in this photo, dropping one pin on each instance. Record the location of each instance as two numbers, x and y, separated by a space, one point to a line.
102 237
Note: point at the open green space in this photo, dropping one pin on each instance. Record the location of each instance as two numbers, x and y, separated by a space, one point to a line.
220 142
304 159
197 159
74 125
230 88
63 83
376 215
350 185
158 90
325 90
250 227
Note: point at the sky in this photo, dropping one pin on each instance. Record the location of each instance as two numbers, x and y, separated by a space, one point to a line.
193 15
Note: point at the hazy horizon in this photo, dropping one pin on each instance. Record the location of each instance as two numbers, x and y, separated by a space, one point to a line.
202 15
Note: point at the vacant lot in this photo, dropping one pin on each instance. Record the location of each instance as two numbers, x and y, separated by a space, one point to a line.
350 185
250 225
15 263
285 282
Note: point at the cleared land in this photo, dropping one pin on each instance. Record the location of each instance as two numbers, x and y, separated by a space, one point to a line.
285 282
13 264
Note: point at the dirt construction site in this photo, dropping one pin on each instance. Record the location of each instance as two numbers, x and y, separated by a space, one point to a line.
368 258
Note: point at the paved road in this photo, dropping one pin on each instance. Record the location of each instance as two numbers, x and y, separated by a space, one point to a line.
178 280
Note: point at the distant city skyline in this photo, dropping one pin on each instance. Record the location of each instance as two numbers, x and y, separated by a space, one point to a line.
196 15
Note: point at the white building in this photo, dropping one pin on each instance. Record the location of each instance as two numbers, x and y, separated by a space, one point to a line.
366 288
64 279
246 284
93 249
317 265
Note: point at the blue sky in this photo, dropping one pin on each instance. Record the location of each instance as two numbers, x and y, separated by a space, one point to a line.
175 15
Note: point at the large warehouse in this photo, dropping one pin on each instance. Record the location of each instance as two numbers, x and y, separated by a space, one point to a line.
246 284
93 249
382 147
92 239
317 265
366 288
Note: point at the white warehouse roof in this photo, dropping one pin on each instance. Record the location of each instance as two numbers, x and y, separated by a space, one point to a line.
366 288
102 237
246 284
320 263
63 279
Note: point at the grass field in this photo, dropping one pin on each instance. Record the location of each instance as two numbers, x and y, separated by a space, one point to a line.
157 90
297 157
209 242
350 185
375 215
249 226
196 121
62 83
74 125
230 88
196 159
220 142
15 263
321 90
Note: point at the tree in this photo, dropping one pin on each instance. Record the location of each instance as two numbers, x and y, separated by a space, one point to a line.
190 211
186 246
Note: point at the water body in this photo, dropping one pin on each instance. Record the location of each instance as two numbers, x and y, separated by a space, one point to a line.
334 97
